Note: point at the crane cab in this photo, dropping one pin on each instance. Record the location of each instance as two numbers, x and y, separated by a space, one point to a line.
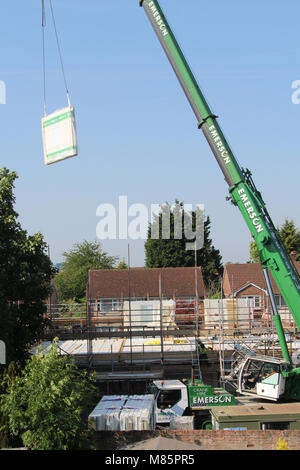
262 376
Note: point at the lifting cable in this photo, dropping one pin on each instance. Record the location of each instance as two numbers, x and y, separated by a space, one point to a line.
44 54
59 52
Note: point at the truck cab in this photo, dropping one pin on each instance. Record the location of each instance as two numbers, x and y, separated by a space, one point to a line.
171 399
188 397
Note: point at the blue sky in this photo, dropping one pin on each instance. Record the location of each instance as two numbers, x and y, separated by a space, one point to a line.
137 134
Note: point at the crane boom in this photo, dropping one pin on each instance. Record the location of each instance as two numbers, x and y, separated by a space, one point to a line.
243 193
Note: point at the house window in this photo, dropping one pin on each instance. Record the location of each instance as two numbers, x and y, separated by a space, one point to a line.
280 302
255 300
108 305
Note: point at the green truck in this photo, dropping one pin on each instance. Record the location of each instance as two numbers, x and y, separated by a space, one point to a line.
178 404
188 398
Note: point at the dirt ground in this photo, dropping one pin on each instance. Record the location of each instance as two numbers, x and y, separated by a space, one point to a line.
162 443
142 440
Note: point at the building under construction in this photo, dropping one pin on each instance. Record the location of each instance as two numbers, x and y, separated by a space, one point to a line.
157 323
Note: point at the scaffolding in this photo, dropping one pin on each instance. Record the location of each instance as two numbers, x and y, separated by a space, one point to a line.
163 338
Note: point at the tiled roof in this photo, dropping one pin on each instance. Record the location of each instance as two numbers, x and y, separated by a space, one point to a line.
237 276
144 282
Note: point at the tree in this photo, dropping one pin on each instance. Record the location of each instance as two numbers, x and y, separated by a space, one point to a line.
25 275
122 265
254 253
44 404
290 236
169 249
7 375
72 279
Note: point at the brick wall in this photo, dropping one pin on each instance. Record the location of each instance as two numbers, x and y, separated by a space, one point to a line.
238 440
206 440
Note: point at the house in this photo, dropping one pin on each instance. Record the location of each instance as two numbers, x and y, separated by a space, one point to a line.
144 283
247 281
108 289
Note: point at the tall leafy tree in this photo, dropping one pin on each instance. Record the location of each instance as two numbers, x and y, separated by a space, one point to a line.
44 404
25 275
290 236
7 375
174 230
71 281
254 253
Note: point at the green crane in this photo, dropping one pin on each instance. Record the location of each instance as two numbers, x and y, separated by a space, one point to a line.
244 194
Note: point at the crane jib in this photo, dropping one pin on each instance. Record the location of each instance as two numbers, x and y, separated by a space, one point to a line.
159 20
253 216
219 144
273 254
206 119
